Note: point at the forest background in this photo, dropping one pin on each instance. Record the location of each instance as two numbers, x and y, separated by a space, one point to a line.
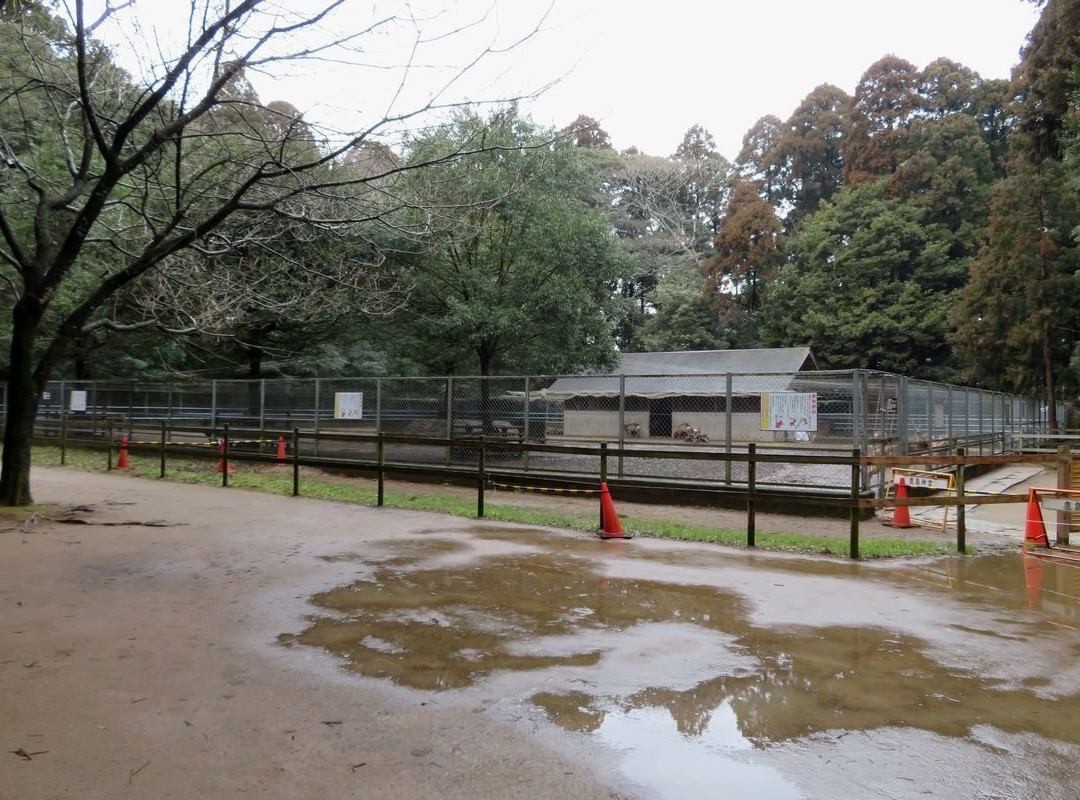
925 225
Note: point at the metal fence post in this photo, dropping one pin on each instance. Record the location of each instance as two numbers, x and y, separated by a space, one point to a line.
979 400
904 410
318 408
213 404
93 413
751 485
449 428
728 428
161 450
378 404
948 415
63 436
262 407
108 462
527 427
622 423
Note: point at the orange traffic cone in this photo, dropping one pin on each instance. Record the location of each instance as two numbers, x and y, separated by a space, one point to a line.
1035 528
281 450
122 459
221 464
901 517
611 529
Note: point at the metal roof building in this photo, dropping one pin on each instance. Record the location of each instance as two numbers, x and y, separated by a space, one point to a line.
669 374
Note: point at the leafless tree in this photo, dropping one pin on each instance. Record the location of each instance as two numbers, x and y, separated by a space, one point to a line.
107 177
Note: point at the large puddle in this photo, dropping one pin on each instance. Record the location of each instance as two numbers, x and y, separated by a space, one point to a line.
688 656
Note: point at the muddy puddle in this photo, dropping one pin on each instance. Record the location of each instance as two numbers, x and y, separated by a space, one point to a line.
699 657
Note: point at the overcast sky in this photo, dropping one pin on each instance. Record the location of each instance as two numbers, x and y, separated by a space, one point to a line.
649 74
646 71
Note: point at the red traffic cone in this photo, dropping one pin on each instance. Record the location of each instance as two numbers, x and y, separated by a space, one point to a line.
281 458
611 529
1035 528
901 517
221 464
122 459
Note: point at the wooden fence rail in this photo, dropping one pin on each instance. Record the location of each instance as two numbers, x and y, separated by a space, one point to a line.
220 445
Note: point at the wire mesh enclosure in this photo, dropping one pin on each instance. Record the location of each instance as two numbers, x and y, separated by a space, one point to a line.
692 414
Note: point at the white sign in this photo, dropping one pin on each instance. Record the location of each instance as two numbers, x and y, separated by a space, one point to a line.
78 401
348 405
926 482
1060 504
788 411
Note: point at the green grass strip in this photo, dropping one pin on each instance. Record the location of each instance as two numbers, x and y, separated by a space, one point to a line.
278 480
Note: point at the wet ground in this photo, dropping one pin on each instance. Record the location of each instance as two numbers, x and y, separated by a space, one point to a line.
197 642
765 677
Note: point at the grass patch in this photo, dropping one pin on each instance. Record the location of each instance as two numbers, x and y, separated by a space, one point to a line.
278 480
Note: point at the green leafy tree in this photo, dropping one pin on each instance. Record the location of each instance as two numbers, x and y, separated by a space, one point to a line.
1015 324
682 318
1017 319
105 178
868 286
515 270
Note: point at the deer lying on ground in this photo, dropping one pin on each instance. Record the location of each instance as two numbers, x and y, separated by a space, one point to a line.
689 433
633 430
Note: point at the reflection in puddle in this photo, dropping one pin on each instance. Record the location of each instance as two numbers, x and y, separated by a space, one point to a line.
680 674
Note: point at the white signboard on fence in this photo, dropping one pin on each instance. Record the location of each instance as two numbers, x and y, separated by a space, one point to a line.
78 401
348 405
788 411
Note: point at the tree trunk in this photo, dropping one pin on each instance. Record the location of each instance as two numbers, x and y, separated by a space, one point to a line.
22 404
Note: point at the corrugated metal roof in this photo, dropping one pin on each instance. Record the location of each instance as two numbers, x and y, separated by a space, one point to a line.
698 373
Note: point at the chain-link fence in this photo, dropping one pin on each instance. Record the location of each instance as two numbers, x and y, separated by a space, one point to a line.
878 413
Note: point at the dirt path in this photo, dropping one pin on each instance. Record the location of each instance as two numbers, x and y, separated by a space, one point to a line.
143 654
140 661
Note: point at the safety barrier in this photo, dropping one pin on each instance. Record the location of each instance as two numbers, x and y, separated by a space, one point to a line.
380 454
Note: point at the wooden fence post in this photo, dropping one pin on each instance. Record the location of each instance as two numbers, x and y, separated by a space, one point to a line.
1064 481
853 545
380 470
225 454
961 512
603 477
751 485
480 483
296 462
